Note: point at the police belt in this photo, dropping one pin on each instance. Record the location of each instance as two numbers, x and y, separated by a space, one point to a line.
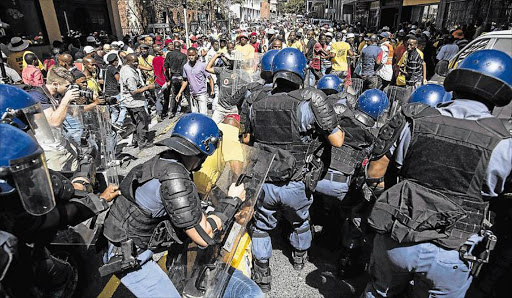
336 177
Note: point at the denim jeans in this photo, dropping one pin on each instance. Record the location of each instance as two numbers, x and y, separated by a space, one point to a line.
241 286
162 100
118 112
436 272
199 103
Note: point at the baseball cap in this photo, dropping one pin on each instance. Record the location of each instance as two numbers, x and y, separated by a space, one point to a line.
88 49
384 35
350 35
91 39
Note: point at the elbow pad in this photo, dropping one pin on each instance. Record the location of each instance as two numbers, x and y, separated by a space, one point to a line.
325 116
91 201
226 209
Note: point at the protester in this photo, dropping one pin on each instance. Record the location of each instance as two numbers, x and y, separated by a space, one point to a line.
31 74
195 76
133 94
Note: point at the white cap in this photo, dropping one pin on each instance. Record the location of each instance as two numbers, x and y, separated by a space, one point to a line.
350 35
344 31
91 39
88 49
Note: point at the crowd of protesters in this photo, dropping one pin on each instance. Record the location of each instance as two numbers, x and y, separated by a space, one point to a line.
148 76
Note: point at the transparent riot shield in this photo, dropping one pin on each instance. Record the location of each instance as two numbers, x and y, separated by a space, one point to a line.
204 272
89 129
397 97
246 70
355 88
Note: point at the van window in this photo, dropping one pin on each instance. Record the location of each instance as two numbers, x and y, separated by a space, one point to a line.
473 47
504 44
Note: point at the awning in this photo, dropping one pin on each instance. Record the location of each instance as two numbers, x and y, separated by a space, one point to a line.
419 2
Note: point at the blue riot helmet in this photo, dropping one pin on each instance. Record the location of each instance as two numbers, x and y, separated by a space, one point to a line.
18 108
430 94
486 74
371 104
289 64
266 65
23 170
194 134
330 84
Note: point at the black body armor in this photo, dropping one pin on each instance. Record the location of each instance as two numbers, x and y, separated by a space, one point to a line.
275 126
439 197
126 220
356 146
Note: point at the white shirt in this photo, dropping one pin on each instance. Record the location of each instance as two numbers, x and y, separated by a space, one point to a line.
386 70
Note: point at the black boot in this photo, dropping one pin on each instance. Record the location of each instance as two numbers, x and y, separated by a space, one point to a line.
261 275
300 257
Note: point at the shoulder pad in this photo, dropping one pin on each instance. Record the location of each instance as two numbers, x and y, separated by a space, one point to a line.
325 115
496 126
388 134
179 194
417 109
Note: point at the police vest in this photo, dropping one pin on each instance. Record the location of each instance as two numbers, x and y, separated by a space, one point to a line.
127 220
356 146
275 127
439 197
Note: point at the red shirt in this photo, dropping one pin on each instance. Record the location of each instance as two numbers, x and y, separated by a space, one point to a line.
256 46
32 76
158 69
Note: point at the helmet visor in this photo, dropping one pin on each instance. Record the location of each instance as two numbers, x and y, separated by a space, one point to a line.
39 125
32 180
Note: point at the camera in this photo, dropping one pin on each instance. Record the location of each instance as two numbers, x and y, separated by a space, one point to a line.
84 94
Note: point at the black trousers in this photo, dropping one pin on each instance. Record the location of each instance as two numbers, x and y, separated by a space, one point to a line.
174 89
140 119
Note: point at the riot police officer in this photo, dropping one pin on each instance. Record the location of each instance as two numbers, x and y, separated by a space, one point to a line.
34 204
346 174
430 94
357 126
287 122
160 205
452 160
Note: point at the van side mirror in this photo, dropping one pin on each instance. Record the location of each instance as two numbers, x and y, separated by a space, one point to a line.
442 68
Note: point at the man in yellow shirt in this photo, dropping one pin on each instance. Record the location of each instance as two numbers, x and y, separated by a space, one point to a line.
230 151
293 42
246 50
146 64
340 49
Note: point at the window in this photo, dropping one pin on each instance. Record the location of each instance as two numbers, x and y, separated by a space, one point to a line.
504 44
473 47
25 20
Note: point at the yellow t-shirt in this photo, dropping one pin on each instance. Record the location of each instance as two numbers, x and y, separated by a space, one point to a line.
230 149
247 51
148 61
339 62
297 45
93 85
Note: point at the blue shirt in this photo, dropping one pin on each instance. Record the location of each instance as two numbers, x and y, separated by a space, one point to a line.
500 163
369 56
447 52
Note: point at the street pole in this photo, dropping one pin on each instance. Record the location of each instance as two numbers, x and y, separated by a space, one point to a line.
186 27
66 19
